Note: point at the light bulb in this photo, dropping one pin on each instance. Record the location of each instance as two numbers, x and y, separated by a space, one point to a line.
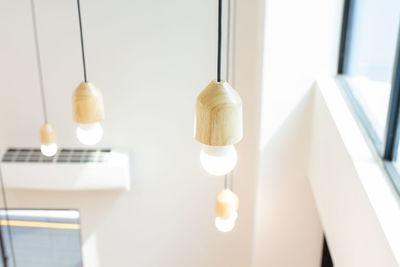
89 134
218 160
226 224
49 150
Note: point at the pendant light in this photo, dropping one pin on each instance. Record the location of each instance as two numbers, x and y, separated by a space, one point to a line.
227 202
218 123
48 138
87 104
226 209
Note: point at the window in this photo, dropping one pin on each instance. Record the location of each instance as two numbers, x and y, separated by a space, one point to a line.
369 70
40 238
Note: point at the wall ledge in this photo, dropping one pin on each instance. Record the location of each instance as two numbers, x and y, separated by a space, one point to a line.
360 212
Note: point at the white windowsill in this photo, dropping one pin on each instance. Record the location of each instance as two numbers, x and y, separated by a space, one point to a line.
377 185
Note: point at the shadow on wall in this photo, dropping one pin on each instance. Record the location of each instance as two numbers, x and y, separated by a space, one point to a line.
288 227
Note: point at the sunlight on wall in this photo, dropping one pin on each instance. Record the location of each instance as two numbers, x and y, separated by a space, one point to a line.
301 42
90 252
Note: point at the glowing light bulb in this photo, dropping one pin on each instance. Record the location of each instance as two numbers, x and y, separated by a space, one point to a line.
218 160
49 150
226 224
89 134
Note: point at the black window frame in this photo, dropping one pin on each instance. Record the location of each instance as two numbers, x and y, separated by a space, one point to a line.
386 149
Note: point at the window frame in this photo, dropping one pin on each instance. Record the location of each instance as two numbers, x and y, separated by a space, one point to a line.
385 149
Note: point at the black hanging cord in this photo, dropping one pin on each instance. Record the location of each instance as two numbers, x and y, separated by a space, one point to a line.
231 185
226 181
38 62
228 178
228 42
219 40
82 46
4 257
10 239
228 38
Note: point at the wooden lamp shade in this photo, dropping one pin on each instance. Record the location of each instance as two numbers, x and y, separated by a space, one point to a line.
226 203
87 104
47 134
218 115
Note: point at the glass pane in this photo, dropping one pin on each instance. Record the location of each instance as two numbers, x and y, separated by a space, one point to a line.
41 238
370 54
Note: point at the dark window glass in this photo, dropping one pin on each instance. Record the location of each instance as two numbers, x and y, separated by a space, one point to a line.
370 55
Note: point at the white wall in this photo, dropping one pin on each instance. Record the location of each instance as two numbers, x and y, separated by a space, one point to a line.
317 173
288 231
359 208
301 42
151 59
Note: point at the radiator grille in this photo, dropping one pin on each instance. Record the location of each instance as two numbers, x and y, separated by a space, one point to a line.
24 155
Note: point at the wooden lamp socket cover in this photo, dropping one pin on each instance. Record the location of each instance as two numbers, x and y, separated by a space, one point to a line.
227 202
219 115
87 104
47 134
